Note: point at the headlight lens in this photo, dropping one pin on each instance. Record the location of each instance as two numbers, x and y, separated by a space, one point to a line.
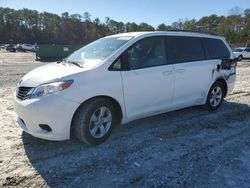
50 88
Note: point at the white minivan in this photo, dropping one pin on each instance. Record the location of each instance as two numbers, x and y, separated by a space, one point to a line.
121 78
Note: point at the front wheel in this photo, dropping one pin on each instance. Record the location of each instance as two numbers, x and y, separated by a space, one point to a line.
240 58
94 121
215 96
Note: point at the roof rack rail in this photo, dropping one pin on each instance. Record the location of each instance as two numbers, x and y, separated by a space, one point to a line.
192 31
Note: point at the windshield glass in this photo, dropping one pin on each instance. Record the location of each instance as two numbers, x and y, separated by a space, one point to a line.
238 50
98 50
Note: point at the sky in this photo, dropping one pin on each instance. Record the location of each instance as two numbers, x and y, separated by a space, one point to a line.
153 12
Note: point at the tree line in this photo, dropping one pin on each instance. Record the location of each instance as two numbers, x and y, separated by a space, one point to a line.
30 26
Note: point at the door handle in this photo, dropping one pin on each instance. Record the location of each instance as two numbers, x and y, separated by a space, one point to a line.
180 70
167 73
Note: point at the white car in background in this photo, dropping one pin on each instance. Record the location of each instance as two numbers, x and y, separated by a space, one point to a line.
242 53
121 78
26 47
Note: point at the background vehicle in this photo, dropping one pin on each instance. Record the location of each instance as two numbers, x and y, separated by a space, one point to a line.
10 47
2 46
242 53
26 47
121 78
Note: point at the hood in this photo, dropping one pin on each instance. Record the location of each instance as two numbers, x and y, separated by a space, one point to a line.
47 73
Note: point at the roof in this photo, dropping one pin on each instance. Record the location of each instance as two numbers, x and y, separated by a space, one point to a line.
173 32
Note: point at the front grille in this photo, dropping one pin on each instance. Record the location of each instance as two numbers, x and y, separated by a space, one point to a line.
22 92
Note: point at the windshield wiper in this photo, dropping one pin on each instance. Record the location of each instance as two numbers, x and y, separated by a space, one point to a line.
75 63
70 62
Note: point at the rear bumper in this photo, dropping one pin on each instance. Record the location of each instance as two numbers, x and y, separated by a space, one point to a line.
54 111
231 83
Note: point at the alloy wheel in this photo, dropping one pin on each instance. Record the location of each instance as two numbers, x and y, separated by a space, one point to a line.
100 122
215 96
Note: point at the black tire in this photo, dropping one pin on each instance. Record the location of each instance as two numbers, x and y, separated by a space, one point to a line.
209 100
240 58
81 122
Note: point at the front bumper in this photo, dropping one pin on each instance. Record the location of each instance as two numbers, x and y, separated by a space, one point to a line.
52 110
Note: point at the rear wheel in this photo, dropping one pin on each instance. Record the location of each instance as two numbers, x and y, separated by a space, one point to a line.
215 96
94 121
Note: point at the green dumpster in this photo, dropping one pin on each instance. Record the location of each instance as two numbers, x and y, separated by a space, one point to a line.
55 52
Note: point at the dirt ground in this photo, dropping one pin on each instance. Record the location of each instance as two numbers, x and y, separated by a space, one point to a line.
187 148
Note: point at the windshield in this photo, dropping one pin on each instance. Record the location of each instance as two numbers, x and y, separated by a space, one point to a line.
238 50
98 50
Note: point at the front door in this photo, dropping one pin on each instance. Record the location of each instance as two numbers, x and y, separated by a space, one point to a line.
148 85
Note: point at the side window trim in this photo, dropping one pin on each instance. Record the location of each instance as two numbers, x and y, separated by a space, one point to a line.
205 48
167 50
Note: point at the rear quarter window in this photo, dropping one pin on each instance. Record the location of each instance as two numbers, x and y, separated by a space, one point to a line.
216 49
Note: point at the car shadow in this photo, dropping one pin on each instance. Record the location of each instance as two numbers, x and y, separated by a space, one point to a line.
66 163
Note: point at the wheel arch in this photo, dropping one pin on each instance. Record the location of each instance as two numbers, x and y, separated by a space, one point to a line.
240 57
116 104
224 83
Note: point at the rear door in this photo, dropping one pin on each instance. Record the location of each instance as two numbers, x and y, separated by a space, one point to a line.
148 85
193 71
246 53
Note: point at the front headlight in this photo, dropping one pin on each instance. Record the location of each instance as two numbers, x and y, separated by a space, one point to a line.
50 88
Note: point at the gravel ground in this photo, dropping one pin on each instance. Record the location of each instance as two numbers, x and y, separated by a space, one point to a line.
186 148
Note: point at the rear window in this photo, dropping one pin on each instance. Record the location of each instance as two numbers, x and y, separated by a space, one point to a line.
183 49
216 49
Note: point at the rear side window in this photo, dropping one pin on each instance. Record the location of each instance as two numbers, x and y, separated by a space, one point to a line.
238 50
183 49
248 49
216 49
